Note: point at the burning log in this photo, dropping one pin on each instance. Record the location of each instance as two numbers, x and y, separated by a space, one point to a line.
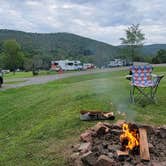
144 149
129 138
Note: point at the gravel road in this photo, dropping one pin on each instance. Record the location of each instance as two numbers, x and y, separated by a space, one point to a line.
47 78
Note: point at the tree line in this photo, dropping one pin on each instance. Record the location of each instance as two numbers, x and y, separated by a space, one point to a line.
12 57
31 58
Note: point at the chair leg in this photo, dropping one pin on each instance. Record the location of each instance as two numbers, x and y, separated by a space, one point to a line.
154 90
151 93
146 95
132 94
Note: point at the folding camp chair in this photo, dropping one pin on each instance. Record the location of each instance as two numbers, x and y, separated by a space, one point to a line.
143 83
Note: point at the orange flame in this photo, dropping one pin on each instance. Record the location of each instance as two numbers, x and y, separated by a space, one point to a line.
131 137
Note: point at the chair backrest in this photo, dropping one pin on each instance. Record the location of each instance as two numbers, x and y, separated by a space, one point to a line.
141 73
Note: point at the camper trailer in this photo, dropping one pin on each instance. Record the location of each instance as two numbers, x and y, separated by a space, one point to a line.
66 65
88 66
117 62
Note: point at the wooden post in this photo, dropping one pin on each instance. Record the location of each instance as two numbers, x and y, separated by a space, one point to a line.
144 148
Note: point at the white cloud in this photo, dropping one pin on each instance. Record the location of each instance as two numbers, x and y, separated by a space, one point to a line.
103 20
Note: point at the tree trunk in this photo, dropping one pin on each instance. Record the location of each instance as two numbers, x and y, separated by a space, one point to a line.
132 53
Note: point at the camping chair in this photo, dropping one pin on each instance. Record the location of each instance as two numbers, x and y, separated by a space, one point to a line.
143 83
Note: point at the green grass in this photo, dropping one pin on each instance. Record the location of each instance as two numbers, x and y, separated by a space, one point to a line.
39 123
23 74
18 75
28 74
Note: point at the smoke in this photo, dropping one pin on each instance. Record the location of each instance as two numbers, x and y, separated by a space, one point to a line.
115 90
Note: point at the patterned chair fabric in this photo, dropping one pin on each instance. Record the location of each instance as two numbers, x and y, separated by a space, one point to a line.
141 76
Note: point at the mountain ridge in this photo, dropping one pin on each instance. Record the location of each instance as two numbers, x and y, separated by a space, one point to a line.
62 45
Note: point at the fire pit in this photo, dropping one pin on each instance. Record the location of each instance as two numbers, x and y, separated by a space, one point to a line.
120 144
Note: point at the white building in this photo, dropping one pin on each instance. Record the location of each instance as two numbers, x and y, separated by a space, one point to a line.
66 65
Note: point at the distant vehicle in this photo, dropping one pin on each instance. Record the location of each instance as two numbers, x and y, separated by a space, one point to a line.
88 66
66 65
1 78
117 63
5 71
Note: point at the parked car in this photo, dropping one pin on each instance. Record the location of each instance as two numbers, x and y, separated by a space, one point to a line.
1 78
5 71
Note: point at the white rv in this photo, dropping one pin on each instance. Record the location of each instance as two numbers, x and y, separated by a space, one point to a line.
65 65
117 62
88 66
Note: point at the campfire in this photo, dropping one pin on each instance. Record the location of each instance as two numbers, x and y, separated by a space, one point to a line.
130 136
120 144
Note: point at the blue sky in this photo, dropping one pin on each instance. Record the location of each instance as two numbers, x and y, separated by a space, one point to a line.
103 20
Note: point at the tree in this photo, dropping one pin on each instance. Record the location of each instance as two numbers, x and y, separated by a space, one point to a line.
134 39
13 58
36 64
160 57
27 64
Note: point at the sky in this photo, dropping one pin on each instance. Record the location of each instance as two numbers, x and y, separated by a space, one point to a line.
103 20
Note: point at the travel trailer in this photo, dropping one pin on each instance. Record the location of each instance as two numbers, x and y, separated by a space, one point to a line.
88 66
117 62
66 65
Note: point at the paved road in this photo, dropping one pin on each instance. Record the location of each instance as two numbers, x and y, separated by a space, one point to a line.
48 78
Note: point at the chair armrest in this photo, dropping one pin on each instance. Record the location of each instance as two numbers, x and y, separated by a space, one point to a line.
157 78
154 75
128 77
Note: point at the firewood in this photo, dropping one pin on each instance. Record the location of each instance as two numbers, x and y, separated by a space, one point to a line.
122 153
144 148
119 123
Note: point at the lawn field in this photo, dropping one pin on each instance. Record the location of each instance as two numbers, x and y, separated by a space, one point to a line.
23 74
39 123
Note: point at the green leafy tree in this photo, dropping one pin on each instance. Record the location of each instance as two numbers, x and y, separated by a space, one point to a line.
134 39
27 64
13 58
36 64
160 57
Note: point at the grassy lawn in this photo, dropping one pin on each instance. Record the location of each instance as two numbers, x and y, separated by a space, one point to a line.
23 74
18 75
39 123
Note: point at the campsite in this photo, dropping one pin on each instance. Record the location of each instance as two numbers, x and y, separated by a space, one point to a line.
39 123
82 83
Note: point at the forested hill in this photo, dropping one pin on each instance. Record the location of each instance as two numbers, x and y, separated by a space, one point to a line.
153 48
69 46
61 46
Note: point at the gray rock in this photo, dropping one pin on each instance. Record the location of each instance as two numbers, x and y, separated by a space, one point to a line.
89 158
